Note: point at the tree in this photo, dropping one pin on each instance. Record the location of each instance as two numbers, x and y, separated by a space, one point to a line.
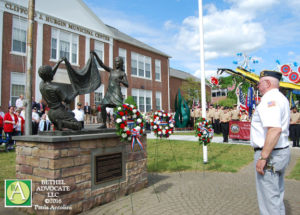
191 90
229 81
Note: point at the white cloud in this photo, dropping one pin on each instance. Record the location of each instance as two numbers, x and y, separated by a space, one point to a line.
291 53
225 33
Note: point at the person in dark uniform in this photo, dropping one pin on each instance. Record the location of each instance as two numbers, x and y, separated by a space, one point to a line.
217 126
224 119
295 126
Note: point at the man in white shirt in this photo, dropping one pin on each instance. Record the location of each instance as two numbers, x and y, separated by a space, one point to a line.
269 138
35 121
19 102
79 114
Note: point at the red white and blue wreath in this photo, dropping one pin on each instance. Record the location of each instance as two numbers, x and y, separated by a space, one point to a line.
129 124
162 124
204 131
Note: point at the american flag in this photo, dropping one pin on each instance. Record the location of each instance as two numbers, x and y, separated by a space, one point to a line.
242 101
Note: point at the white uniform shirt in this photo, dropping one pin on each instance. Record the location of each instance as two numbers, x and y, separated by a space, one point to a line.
19 103
273 111
79 114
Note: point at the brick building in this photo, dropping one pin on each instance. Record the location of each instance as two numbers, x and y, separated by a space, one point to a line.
60 32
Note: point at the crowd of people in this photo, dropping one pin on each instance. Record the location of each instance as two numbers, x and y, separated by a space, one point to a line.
220 117
12 123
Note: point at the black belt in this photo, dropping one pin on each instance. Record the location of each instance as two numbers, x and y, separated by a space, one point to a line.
258 149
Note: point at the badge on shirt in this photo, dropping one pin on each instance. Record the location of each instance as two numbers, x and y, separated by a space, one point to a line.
271 104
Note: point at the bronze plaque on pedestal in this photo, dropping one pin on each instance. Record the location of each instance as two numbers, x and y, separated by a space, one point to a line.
108 167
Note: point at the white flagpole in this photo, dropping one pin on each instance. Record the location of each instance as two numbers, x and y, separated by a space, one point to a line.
202 69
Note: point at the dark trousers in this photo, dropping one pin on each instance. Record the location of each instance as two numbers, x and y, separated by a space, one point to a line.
217 126
295 134
225 130
9 142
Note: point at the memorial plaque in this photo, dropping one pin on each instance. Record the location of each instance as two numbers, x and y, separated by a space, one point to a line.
108 167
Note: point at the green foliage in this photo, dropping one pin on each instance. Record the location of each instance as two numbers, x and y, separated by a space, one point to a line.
8 168
295 174
229 81
130 100
227 102
191 90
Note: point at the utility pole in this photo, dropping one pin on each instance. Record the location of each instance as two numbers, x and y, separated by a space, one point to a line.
29 62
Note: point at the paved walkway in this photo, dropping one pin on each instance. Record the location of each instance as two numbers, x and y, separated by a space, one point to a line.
202 193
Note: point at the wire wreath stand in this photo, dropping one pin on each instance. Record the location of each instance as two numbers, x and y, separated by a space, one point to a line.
205 132
163 126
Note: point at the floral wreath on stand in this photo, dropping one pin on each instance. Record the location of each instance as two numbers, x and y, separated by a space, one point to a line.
162 124
129 124
204 131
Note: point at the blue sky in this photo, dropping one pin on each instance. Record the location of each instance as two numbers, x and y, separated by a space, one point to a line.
267 30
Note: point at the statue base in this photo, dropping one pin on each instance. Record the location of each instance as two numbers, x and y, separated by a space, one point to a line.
74 172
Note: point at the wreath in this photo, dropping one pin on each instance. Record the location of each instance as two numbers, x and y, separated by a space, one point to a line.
129 124
162 124
204 130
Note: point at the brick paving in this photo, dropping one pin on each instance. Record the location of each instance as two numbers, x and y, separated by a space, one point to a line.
208 193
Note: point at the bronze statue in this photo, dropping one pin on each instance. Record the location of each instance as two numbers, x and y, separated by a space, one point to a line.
55 96
113 97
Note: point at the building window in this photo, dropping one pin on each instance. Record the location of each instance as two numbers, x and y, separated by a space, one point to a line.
17 86
140 65
219 93
99 94
158 100
19 35
157 70
124 93
143 99
64 44
134 64
99 49
122 54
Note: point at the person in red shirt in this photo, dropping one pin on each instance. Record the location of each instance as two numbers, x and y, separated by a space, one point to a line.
10 121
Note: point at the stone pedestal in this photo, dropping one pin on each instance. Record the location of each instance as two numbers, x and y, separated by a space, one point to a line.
62 169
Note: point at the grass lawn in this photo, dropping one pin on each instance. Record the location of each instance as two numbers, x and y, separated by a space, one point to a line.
8 168
295 174
191 133
186 155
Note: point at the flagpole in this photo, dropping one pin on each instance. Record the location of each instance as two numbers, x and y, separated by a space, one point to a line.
29 49
202 70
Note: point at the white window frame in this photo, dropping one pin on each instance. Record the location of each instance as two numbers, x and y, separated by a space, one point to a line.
158 97
157 69
142 93
143 60
123 54
124 92
18 25
99 49
70 38
99 90
225 91
16 78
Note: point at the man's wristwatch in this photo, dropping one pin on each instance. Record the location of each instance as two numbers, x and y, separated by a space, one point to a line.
262 158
